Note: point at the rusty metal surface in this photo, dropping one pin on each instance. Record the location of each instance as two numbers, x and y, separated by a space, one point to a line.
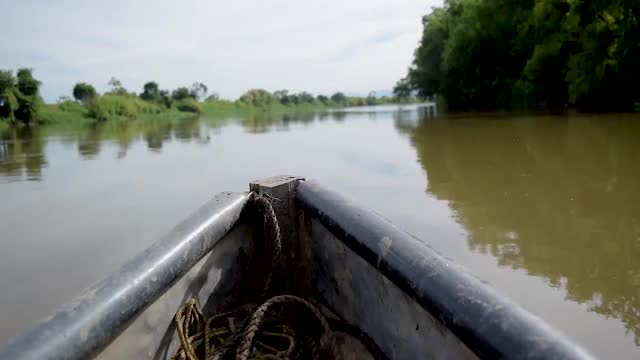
87 325
487 323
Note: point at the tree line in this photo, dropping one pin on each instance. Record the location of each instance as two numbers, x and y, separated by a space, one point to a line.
86 93
151 92
261 98
20 100
493 54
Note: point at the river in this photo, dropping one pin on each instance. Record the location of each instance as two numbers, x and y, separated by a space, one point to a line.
545 209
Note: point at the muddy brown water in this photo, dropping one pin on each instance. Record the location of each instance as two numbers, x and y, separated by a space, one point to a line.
546 209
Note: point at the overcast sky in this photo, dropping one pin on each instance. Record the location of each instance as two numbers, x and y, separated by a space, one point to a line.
319 46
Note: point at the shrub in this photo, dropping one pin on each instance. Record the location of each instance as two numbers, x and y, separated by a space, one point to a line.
257 97
180 93
188 105
150 91
113 106
84 92
19 97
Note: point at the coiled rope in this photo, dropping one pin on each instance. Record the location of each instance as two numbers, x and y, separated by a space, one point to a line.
283 327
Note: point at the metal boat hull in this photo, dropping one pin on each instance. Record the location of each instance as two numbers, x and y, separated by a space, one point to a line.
405 296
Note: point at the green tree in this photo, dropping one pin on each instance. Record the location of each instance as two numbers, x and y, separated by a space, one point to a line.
305 97
427 71
189 105
323 99
165 98
294 99
339 98
282 96
116 87
8 95
26 83
150 91
27 95
257 97
181 93
84 92
402 90
487 54
198 90
603 72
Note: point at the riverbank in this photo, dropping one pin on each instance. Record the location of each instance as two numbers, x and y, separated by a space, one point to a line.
114 108
71 114
108 108
229 108
24 105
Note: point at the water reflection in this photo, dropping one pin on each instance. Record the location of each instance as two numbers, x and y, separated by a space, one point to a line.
407 119
263 122
22 149
555 197
22 154
558 197
89 142
190 129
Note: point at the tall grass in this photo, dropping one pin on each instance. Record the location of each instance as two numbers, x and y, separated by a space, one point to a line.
66 112
109 107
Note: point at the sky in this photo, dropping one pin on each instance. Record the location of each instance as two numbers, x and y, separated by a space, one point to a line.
325 46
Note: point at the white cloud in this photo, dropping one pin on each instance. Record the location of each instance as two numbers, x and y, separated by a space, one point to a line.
318 46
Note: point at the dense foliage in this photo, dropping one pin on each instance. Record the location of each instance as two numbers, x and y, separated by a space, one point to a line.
257 97
180 93
19 98
488 54
262 98
188 105
111 106
150 91
84 92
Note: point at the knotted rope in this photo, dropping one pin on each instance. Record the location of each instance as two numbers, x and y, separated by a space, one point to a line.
284 327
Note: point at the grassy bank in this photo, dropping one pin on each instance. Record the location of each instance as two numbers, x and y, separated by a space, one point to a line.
108 108
222 108
67 112
112 108
21 103
119 108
